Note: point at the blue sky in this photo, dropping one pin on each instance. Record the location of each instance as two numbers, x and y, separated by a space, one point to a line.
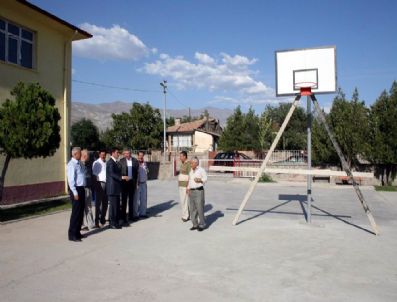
221 53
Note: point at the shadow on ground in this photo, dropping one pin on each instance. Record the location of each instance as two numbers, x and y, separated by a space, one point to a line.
156 210
302 199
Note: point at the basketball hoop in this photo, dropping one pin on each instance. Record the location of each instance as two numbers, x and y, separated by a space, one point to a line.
305 88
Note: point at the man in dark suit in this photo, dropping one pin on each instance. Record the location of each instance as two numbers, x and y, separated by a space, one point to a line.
129 172
113 187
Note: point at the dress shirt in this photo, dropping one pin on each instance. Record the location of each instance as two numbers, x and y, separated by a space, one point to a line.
76 175
99 169
129 168
142 172
197 173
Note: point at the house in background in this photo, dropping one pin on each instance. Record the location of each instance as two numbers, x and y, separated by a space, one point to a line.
36 46
197 136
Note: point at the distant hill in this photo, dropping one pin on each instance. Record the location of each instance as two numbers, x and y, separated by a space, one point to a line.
101 114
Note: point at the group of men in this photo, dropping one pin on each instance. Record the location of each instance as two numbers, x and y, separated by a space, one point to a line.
107 180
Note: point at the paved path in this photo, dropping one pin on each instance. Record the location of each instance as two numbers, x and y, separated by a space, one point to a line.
272 255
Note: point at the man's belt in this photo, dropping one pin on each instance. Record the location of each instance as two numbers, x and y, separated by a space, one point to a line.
197 189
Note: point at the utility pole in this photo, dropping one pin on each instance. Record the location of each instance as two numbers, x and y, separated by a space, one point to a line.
164 85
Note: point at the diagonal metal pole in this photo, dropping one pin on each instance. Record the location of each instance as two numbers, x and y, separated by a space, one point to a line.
345 166
269 153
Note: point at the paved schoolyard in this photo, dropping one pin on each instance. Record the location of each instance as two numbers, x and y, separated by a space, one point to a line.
273 255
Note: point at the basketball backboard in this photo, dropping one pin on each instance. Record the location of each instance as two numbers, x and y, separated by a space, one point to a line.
308 67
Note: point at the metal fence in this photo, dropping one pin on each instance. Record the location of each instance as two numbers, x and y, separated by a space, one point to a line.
279 159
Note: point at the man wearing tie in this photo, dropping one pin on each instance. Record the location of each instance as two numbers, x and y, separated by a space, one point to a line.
76 182
129 172
113 188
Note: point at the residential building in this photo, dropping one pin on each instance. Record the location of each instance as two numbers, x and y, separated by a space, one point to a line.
198 136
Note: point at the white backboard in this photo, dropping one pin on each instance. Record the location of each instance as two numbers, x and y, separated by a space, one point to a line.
314 65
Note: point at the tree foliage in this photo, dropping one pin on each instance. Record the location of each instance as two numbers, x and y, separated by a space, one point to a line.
85 135
383 135
28 125
294 136
350 123
141 128
241 131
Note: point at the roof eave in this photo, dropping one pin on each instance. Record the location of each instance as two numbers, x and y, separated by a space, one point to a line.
82 34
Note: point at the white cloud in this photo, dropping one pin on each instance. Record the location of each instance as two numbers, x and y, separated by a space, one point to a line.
111 43
227 74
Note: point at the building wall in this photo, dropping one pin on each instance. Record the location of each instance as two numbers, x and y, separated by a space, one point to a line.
203 141
53 52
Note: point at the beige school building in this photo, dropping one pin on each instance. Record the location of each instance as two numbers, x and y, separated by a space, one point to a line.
36 46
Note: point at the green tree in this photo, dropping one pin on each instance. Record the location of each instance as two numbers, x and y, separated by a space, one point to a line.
250 137
170 121
323 152
230 139
383 135
350 123
28 125
241 132
265 134
141 128
85 134
294 136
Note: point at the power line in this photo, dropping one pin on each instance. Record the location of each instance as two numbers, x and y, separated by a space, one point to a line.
115 87
131 89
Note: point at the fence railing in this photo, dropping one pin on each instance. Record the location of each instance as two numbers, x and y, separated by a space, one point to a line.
283 159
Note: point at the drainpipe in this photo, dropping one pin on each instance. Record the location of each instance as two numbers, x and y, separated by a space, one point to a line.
66 116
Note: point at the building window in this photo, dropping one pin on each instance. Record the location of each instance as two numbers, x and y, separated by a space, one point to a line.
16 44
182 141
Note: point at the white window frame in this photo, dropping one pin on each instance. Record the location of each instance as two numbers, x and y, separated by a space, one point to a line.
19 39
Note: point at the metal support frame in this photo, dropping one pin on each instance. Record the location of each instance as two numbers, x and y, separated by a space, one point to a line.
345 166
309 160
321 118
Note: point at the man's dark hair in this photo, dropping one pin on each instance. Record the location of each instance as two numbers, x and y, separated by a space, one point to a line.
114 149
184 153
102 150
141 152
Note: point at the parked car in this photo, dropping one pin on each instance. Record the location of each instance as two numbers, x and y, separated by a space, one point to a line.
293 159
228 158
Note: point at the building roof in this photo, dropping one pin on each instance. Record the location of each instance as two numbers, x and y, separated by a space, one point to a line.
82 32
187 127
210 126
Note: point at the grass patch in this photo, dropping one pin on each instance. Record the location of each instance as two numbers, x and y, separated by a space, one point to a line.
386 188
266 178
34 209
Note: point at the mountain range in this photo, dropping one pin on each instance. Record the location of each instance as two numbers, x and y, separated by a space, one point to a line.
101 114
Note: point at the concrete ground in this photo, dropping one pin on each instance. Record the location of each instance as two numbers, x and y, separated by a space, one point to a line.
272 255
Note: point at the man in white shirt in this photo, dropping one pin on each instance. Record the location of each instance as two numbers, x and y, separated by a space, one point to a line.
195 189
101 201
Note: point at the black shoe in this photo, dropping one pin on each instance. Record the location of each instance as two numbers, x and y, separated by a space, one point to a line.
115 227
193 228
75 239
184 220
96 226
143 216
200 229
126 224
135 219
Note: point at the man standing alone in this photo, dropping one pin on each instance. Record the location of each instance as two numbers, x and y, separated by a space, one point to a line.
195 189
76 182
183 180
113 188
